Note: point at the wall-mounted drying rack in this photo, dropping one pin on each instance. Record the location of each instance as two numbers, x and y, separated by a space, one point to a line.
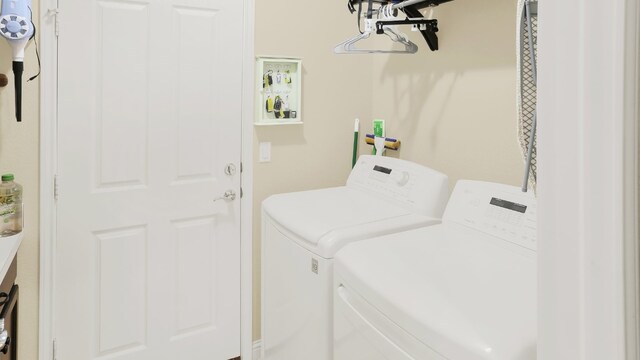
385 23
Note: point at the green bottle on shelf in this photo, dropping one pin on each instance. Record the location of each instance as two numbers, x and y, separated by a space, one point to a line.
10 206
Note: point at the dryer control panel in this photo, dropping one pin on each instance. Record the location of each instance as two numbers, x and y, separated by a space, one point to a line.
499 210
420 189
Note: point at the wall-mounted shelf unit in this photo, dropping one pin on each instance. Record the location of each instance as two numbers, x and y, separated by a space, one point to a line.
278 91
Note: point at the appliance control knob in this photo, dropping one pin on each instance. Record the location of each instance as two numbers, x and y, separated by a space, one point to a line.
401 178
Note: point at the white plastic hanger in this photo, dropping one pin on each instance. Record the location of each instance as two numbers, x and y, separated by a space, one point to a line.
348 47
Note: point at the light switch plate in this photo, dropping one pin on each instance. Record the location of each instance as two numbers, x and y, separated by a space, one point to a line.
265 152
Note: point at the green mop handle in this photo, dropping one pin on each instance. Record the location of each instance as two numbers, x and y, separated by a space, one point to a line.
355 143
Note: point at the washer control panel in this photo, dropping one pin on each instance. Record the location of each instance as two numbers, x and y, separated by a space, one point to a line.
499 210
408 184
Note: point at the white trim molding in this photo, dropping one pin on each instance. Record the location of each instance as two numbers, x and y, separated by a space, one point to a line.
257 350
48 119
246 205
631 183
583 93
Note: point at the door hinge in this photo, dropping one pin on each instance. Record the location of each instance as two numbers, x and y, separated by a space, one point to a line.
56 191
241 168
53 355
241 193
55 13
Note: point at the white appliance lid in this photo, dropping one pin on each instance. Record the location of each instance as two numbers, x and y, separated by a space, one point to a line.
312 215
464 294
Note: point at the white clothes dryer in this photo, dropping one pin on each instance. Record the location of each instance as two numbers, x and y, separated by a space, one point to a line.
461 290
302 231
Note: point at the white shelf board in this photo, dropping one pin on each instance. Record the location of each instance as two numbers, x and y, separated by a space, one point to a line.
264 123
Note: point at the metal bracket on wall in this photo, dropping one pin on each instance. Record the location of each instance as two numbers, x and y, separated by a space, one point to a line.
56 13
427 27
384 15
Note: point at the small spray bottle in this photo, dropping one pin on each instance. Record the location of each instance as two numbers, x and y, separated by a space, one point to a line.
17 28
379 133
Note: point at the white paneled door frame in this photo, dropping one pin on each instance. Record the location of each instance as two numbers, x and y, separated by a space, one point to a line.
48 155
587 161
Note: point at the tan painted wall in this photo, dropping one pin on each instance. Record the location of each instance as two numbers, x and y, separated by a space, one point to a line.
335 90
455 109
19 154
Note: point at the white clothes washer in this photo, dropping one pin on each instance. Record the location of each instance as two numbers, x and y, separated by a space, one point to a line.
461 290
302 231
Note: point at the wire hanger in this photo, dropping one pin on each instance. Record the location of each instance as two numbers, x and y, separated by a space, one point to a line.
348 46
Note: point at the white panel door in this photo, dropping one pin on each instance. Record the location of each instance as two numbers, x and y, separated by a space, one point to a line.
147 263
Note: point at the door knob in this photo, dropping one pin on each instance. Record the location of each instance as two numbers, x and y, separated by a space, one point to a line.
228 195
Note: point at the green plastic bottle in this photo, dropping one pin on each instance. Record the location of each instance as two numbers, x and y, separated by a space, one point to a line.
10 206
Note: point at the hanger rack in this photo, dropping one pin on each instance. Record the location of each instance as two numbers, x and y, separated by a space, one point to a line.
385 24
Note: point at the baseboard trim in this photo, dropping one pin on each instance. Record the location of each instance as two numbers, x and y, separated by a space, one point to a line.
257 350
